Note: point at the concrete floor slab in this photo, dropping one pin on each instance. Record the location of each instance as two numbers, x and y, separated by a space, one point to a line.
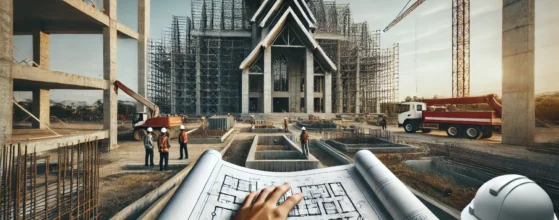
27 78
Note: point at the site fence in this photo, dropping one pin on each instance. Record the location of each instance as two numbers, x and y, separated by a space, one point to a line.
47 187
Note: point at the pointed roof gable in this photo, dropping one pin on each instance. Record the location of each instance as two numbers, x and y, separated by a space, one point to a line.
305 37
260 10
276 6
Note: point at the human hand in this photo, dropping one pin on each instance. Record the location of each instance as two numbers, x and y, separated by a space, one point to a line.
265 206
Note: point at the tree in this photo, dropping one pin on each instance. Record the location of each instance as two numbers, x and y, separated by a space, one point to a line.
408 99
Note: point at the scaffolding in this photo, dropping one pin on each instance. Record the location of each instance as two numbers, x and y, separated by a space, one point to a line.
194 67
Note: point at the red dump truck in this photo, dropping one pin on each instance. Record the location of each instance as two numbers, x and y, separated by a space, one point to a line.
431 114
143 120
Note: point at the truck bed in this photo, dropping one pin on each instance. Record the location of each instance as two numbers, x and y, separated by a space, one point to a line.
470 118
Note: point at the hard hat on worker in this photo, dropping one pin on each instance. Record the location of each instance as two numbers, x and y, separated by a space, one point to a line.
182 127
163 130
304 129
150 129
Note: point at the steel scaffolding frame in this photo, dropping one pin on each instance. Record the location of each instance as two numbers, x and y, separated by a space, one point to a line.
195 72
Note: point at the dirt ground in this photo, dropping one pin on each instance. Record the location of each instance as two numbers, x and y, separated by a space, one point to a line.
428 183
120 190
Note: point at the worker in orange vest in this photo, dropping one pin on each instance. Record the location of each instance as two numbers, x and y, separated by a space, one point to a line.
305 141
163 146
183 142
285 125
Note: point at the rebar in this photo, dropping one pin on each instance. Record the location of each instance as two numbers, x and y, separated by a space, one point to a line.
26 192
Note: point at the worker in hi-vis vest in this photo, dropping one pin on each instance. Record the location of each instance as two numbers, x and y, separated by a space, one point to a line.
183 142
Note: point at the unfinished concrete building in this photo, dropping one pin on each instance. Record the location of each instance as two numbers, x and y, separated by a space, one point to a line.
41 18
236 56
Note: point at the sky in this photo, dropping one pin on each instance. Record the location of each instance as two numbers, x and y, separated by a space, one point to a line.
425 39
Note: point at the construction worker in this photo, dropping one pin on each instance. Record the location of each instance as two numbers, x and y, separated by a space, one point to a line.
383 123
305 141
163 146
285 123
148 144
183 142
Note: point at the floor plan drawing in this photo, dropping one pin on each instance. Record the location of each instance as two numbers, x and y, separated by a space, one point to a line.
322 199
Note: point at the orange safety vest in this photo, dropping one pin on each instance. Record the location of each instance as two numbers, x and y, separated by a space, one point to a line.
183 137
163 144
305 137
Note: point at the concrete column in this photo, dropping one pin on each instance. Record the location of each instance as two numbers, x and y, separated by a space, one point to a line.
339 87
358 85
309 82
328 92
41 97
245 91
518 72
41 47
143 31
41 108
267 80
110 98
6 79
198 73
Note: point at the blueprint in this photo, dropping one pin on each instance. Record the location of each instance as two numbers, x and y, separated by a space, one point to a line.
324 197
367 190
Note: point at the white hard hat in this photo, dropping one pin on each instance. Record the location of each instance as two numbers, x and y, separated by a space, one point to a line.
285 118
509 197
163 130
150 129
182 127
304 129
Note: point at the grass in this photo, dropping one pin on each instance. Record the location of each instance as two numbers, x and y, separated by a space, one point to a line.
120 190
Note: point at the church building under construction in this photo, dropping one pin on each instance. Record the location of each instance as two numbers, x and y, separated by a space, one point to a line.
271 56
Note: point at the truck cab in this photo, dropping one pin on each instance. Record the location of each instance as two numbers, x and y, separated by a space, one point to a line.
410 113
139 119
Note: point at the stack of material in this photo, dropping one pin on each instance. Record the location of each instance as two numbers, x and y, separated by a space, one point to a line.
221 123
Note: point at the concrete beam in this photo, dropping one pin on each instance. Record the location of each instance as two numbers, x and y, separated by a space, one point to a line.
328 92
143 31
41 47
27 78
309 81
110 97
268 80
518 100
6 80
126 31
245 91
41 108
93 13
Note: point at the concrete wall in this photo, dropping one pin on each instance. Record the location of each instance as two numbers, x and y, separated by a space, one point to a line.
518 72
215 140
144 10
288 160
385 147
6 79
110 97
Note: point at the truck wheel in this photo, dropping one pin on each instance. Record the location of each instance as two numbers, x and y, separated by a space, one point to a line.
473 132
488 135
453 131
409 127
139 134
155 134
426 131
